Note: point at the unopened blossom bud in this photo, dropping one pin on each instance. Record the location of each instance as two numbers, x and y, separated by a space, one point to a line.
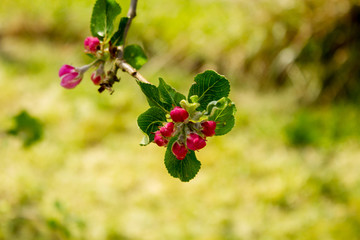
179 114
208 128
179 150
70 76
167 130
91 44
195 142
160 140
98 75
95 78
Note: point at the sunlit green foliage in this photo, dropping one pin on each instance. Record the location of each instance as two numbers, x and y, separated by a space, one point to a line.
253 185
135 56
103 17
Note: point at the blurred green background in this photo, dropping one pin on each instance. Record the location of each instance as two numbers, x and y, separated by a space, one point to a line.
72 168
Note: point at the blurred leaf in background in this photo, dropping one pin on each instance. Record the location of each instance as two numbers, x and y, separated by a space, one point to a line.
28 128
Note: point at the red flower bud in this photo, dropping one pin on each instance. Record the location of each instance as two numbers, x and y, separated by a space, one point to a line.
96 79
179 114
195 142
160 140
208 128
98 75
167 130
179 150
91 44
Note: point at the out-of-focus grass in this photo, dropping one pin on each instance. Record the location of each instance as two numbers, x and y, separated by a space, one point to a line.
323 126
89 179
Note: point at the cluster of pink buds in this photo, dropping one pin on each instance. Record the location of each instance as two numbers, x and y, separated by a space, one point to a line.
72 76
162 136
191 134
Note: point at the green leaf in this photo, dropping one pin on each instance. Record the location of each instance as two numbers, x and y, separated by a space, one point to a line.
149 123
209 86
118 37
153 96
222 112
28 128
91 56
135 56
103 17
168 94
185 169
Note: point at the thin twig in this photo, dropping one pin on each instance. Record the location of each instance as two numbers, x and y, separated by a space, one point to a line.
131 15
123 65
120 62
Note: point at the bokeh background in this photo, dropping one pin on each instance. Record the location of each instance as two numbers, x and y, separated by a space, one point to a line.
70 163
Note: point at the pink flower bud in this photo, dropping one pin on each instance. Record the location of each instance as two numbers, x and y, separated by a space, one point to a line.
179 150
208 128
167 130
70 76
195 142
91 44
179 114
160 140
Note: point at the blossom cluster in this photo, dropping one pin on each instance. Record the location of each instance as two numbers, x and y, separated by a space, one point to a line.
191 135
71 76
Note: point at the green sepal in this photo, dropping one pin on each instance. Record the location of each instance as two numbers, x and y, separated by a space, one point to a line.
189 107
185 169
103 17
194 98
91 56
209 86
135 56
168 94
149 122
223 113
118 38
